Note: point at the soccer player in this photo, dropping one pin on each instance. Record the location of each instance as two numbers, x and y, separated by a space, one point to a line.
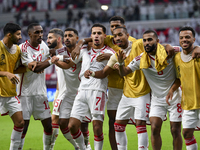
188 71
9 55
135 96
66 78
32 88
160 75
91 97
115 82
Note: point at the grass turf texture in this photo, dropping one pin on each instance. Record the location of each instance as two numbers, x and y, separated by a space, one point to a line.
34 136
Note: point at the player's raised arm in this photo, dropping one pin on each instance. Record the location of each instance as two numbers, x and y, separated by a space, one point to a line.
123 71
76 52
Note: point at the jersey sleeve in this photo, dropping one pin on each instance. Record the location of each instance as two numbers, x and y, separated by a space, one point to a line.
134 65
25 56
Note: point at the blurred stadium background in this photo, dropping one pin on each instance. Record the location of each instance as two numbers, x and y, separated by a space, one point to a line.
164 16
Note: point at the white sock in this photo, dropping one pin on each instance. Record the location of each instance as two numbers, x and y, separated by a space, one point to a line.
68 136
55 128
142 137
191 144
98 142
120 136
16 138
22 142
79 139
46 140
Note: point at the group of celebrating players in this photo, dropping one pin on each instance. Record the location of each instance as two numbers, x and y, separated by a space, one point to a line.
144 79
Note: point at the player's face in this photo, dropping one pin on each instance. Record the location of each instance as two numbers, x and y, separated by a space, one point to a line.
98 37
36 34
16 37
70 38
114 24
121 38
51 40
150 42
186 40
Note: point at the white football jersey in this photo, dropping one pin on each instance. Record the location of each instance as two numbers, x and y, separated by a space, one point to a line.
32 83
159 82
71 76
94 83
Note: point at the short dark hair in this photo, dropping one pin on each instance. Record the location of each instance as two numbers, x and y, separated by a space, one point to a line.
57 31
99 25
120 27
187 28
117 18
11 28
151 31
30 26
72 29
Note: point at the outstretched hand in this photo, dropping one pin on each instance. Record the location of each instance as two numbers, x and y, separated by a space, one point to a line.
121 56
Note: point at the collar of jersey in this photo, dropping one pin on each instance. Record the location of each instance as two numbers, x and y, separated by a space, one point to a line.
37 48
98 50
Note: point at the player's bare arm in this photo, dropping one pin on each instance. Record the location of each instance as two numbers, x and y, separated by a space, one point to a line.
99 74
76 52
12 77
20 69
63 63
196 52
40 66
123 71
174 87
105 56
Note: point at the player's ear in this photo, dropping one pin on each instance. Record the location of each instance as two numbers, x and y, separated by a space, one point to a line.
157 40
127 34
124 26
77 38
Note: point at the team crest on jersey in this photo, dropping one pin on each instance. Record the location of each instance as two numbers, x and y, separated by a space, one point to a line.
2 61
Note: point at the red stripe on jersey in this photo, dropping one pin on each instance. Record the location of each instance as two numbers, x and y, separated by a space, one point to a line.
111 49
20 89
151 57
37 49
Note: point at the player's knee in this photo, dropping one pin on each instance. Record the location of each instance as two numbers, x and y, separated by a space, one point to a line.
72 126
63 124
155 130
187 134
19 123
97 127
176 131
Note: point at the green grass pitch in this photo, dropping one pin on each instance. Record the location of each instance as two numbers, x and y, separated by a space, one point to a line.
34 135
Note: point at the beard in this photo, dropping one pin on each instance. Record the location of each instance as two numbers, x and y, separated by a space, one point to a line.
151 48
53 45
